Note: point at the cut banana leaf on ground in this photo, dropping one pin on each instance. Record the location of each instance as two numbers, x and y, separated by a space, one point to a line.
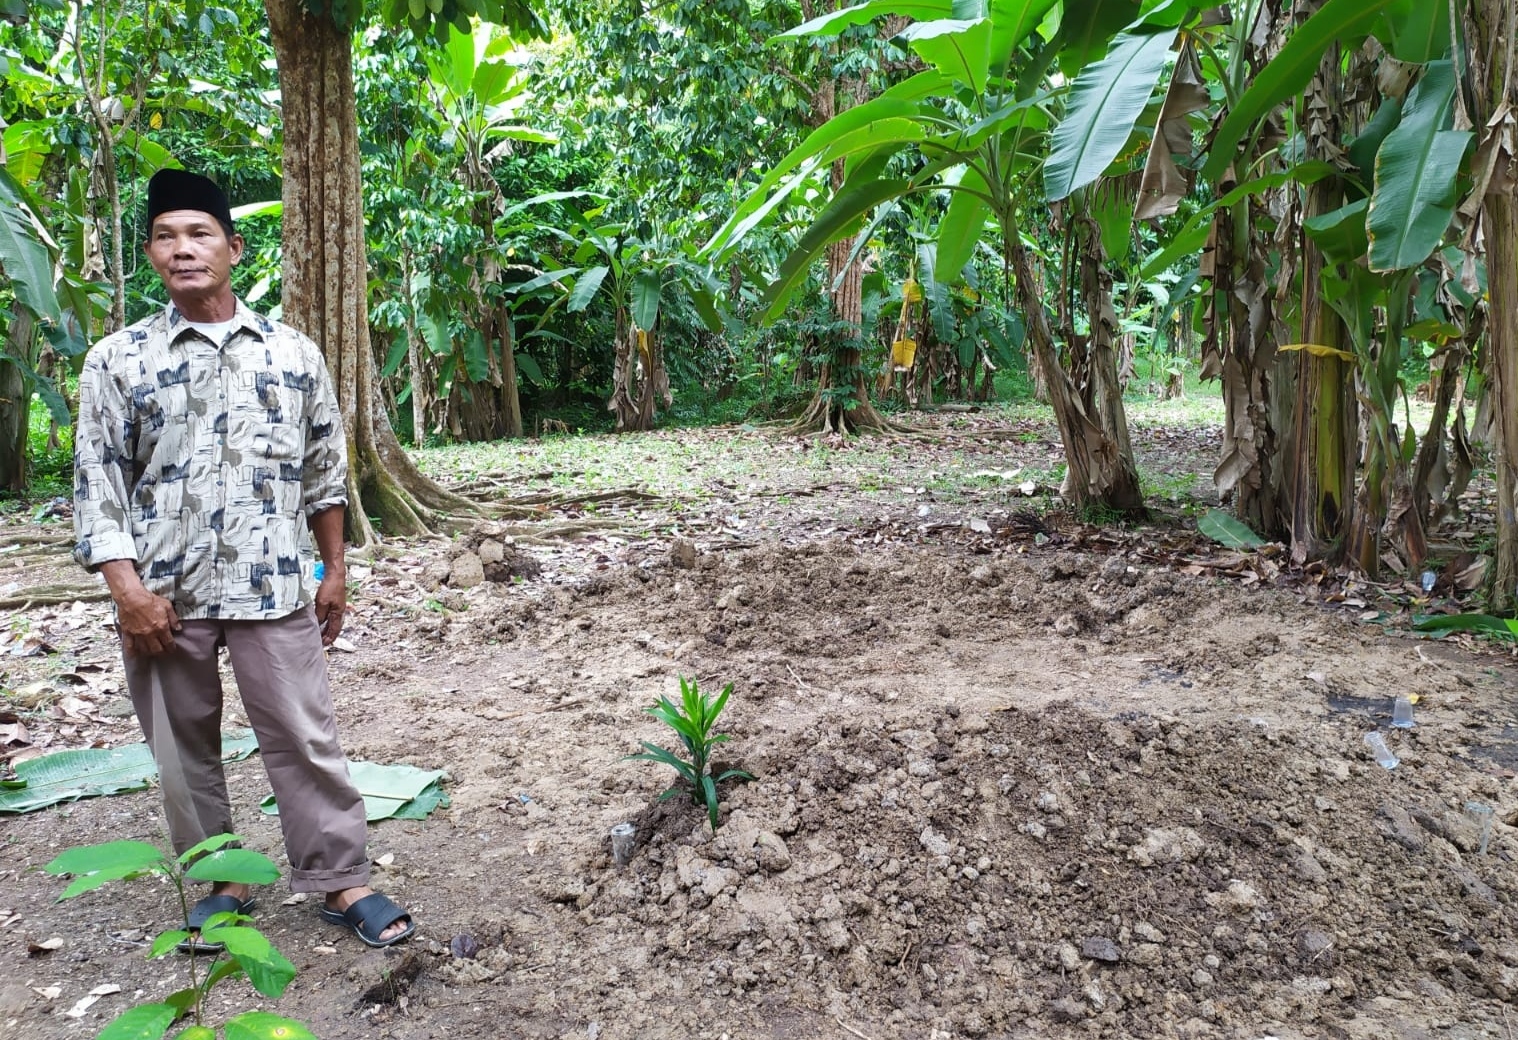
1506 627
89 772
1227 530
391 792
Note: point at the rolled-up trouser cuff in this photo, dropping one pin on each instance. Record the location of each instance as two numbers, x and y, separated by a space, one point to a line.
329 880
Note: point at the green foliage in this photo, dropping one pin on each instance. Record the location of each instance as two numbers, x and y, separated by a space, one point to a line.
1417 167
1105 102
1502 628
693 721
1228 530
246 951
1337 22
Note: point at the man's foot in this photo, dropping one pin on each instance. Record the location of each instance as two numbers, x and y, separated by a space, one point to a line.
224 898
342 908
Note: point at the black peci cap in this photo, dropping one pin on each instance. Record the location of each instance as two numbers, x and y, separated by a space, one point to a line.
171 189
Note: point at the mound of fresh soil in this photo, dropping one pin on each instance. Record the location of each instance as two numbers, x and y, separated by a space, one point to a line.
1007 785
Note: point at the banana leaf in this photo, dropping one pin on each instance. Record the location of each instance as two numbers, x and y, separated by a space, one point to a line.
390 792
1227 530
88 772
1338 21
1106 100
1416 173
1507 628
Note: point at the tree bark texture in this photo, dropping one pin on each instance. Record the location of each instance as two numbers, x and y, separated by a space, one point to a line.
1493 25
325 275
1098 473
1321 484
15 405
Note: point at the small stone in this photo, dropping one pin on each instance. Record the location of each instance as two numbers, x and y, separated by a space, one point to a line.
1067 1010
434 573
325 951
1201 977
491 551
1067 625
1048 802
983 575
682 553
1240 896
772 853
1069 957
466 571
1100 948
936 844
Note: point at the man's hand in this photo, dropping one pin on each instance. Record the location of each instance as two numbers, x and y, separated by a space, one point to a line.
331 601
146 622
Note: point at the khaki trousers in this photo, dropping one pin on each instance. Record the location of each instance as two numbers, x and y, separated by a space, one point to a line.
282 675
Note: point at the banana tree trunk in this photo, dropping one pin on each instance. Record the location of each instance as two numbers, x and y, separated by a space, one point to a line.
15 404
1490 28
510 397
1500 224
1322 467
1239 351
1098 474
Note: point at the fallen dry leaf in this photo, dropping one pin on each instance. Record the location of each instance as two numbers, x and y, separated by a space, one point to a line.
84 1003
37 949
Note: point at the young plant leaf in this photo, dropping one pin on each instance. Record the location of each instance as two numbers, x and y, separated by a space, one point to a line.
134 855
142 1021
243 866
261 1025
211 844
90 882
167 941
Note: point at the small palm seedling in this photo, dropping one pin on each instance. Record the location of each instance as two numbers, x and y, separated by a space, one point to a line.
244 950
692 720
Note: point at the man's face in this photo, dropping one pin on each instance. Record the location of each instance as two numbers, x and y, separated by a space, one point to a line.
193 255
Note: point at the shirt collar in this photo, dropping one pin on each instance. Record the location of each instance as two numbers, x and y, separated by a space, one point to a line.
244 317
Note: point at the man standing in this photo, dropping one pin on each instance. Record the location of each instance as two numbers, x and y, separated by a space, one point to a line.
208 436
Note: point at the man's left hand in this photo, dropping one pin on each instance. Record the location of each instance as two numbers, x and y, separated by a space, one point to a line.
331 601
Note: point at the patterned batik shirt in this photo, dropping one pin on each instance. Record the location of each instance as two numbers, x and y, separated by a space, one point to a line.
202 461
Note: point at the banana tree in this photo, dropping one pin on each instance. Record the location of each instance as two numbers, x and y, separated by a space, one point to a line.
479 97
639 273
1372 250
42 304
973 128
1486 38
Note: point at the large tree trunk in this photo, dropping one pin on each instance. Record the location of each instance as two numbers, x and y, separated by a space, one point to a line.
1493 26
325 273
842 401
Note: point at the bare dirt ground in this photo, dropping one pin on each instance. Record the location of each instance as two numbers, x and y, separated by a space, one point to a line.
1016 776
